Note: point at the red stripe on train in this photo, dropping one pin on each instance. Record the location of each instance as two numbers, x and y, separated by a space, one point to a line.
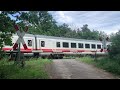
80 50
64 50
6 49
46 50
22 49
51 50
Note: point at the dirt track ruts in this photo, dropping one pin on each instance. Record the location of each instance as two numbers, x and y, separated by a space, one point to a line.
73 69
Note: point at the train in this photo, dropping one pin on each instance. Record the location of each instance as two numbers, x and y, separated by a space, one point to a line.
56 47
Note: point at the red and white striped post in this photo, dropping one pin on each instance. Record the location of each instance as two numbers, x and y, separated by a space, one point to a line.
20 39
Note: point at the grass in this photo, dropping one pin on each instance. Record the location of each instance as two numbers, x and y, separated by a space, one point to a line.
68 57
34 69
87 60
112 66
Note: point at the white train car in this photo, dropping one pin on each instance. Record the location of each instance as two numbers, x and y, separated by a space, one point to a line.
41 45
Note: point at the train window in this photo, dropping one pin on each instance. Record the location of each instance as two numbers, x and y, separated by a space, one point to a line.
42 43
98 46
73 45
87 45
29 42
93 45
80 45
58 44
65 44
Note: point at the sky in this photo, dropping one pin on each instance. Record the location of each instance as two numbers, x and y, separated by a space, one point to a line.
107 21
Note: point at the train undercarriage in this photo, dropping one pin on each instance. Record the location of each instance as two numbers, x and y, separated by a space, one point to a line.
13 55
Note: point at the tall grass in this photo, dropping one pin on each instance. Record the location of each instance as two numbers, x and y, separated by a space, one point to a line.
34 69
105 63
87 60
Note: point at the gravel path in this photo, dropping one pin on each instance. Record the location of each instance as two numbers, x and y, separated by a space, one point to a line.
73 69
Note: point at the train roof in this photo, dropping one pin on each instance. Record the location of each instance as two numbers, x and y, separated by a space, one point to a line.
60 38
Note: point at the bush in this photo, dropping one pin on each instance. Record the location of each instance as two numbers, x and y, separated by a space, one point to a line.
106 63
115 47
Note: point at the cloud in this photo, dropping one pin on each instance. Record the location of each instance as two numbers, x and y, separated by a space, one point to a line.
107 21
61 17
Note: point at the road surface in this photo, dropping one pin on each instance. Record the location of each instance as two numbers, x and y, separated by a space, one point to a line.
73 69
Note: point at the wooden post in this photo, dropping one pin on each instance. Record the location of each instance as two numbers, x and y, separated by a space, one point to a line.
22 60
95 56
19 54
17 59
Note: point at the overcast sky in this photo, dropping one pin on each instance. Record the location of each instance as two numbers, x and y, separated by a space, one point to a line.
107 21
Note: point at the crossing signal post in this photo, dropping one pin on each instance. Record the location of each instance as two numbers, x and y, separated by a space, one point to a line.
104 45
18 43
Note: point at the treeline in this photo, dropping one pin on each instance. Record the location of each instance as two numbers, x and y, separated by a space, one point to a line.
42 22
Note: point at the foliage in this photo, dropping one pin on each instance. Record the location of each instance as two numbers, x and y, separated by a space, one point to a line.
87 59
43 23
110 65
115 47
34 69
6 29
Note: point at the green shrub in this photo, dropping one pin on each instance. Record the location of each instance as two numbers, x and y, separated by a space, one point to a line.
105 63
34 69
87 59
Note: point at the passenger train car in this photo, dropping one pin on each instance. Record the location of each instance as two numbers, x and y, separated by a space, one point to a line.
41 45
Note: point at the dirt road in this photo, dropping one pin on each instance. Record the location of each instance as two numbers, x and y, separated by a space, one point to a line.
73 69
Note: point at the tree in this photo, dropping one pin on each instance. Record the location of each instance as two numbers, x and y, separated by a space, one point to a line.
64 29
79 34
102 34
95 35
41 22
86 33
115 46
112 35
6 29
71 34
